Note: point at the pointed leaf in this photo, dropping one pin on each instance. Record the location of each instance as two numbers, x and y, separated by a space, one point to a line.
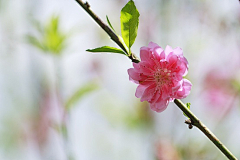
109 23
106 49
51 39
129 23
35 42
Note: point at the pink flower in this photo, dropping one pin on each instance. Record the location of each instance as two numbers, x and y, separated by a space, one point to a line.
160 76
218 88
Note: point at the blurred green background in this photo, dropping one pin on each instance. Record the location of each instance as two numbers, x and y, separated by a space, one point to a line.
59 102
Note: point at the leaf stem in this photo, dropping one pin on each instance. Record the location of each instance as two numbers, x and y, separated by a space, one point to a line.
108 30
196 122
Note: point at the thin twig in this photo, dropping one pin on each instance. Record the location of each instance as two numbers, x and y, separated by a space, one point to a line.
196 122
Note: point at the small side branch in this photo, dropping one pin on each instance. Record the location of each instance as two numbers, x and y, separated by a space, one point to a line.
196 122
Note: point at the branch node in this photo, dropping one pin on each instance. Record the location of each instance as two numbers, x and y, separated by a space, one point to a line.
190 123
87 4
134 58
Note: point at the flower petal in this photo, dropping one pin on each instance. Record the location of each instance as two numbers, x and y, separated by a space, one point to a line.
144 53
178 51
148 93
185 89
159 107
133 75
173 59
187 85
168 50
152 45
145 68
155 97
136 67
140 90
162 55
157 51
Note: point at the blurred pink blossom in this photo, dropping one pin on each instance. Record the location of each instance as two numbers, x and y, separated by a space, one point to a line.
160 76
218 88
165 150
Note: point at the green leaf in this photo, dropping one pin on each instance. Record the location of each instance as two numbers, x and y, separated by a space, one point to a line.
51 39
188 106
129 23
109 23
35 42
106 49
82 91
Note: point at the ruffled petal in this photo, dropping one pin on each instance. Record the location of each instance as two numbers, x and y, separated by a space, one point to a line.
168 50
133 75
178 51
145 68
160 106
182 69
184 91
187 85
162 55
184 60
152 45
144 53
155 97
176 86
166 92
136 67
148 93
173 60
157 52
140 90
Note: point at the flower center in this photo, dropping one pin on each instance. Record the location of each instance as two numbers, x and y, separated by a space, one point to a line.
162 76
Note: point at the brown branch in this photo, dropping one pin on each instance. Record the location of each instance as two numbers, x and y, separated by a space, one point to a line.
196 122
